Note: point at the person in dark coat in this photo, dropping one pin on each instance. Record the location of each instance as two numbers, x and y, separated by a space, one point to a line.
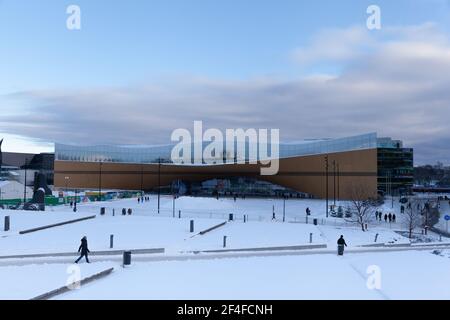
84 250
390 217
394 218
341 244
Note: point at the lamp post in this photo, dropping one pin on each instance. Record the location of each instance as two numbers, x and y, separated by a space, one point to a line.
25 182
334 182
142 180
339 183
284 208
326 183
100 182
159 183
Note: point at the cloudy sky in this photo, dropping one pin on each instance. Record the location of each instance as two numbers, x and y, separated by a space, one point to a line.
137 70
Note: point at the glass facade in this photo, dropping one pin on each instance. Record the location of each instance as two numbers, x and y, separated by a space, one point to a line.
395 170
154 154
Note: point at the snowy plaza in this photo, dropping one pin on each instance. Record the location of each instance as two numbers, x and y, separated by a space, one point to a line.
263 258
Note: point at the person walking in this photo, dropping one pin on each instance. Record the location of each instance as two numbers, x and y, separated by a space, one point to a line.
84 250
394 218
341 245
385 217
390 217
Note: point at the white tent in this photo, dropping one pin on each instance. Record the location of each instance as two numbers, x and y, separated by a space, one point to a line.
10 190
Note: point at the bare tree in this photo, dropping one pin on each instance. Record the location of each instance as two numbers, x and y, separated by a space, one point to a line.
413 216
362 205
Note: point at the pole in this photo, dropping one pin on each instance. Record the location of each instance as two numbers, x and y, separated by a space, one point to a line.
100 183
173 206
326 183
159 183
25 183
142 180
334 182
339 182
284 209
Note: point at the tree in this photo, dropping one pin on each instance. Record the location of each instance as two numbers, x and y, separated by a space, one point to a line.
362 205
413 216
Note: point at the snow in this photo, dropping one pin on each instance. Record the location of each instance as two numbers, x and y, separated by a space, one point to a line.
275 278
318 276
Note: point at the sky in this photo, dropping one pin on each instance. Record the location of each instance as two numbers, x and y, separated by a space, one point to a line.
137 70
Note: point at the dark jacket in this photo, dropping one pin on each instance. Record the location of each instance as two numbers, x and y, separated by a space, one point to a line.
341 242
83 247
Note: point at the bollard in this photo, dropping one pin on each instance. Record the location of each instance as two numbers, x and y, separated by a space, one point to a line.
310 238
111 241
306 220
231 217
316 222
376 237
102 211
124 212
179 214
224 241
114 212
192 226
367 227
244 219
126 258
7 223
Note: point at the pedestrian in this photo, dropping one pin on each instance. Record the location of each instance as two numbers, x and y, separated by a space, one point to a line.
139 200
385 217
394 218
341 244
84 250
390 217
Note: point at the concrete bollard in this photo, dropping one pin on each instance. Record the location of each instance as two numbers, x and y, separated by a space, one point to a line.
102 211
245 219
310 238
224 241
306 220
179 214
376 237
7 223
231 217
192 226
114 212
111 241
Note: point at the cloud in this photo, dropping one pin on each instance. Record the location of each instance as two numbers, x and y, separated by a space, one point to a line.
333 45
398 88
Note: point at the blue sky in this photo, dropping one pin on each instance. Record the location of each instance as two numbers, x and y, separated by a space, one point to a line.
127 45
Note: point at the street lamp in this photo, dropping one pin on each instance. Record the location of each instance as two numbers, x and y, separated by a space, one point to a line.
25 182
334 182
326 183
100 183
159 182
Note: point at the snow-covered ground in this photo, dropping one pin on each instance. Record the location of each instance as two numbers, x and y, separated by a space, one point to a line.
319 276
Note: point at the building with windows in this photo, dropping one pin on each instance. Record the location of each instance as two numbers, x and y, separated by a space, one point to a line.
332 168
